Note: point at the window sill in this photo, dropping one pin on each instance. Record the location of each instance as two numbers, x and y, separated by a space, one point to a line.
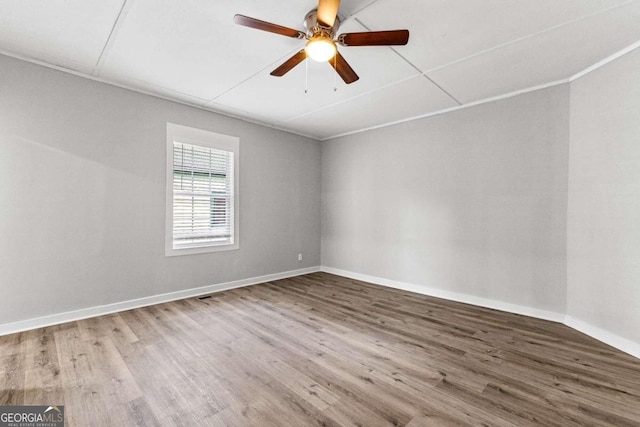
200 250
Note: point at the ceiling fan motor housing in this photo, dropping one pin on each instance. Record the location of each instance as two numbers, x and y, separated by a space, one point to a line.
314 28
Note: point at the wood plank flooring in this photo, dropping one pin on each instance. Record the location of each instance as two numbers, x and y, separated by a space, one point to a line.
320 350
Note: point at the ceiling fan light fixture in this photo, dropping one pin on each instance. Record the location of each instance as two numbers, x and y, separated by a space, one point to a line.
321 26
320 48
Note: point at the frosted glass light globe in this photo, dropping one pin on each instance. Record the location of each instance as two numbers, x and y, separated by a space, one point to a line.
320 48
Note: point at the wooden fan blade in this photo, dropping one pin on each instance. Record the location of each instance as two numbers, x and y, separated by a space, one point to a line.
375 38
327 12
267 26
289 64
343 68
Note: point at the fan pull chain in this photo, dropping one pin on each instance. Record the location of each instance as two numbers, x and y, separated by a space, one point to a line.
306 76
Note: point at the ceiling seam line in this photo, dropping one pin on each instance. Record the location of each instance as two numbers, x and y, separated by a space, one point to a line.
526 37
427 77
97 69
360 95
262 70
414 66
442 89
363 8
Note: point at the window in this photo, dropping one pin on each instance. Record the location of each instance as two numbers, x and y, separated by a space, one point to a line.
202 191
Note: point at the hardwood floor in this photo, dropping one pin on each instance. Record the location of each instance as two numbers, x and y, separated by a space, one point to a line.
320 350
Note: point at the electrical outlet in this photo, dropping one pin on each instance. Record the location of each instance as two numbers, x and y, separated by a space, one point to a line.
299 257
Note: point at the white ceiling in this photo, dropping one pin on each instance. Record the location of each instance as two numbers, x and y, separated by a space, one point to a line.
459 51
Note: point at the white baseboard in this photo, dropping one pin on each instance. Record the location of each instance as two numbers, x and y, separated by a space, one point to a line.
616 341
452 296
606 337
70 316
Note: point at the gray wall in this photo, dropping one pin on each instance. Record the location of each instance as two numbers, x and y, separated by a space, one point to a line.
472 201
604 199
532 200
82 193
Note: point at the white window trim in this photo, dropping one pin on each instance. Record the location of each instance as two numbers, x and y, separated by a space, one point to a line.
203 138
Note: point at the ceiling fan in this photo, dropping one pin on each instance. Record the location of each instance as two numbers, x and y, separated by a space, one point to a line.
321 25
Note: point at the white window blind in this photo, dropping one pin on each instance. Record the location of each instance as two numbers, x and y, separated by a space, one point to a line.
202 196
201 191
